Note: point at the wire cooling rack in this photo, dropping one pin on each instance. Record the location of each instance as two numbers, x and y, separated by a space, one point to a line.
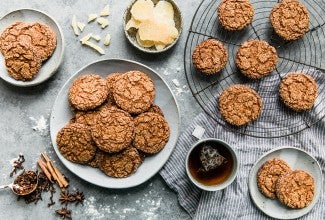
303 55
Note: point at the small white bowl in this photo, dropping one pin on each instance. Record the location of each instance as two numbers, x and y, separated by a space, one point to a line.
131 34
225 183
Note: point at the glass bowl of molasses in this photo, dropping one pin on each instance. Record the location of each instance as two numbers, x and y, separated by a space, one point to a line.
211 164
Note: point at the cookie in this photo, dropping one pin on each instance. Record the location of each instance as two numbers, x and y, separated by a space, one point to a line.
210 56
97 158
235 14
296 189
256 58
298 91
9 36
22 61
156 109
151 132
134 92
114 130
110 80
75 143
268 175
240 105
290 19
120 165
88 92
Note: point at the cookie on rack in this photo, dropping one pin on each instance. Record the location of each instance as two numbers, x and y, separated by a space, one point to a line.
268 175
296 189
121 164
210 57
75 143
134 92
114 130
256 58
240 105
22 61
151 132
88 92
290 19
235 15
298 91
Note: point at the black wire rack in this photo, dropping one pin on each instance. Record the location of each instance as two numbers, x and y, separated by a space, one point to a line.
303 55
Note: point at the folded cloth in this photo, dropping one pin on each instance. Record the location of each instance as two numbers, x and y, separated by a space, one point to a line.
234 202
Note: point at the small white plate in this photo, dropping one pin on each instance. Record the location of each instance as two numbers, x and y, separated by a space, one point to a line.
61 114
48 67
297 159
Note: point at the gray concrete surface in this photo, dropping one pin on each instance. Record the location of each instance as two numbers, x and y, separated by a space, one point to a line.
22 109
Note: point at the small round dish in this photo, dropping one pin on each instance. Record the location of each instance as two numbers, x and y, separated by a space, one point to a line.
232 175
131 34
48 67
298 160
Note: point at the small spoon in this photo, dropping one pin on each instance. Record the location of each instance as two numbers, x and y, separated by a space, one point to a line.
15 186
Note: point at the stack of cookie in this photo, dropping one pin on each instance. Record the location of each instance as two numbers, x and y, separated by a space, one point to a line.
115 123
293 188
25 46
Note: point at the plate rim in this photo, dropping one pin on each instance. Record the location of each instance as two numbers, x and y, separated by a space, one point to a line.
274 150
61 56
128 61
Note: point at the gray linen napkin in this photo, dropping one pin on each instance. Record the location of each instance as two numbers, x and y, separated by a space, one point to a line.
234 202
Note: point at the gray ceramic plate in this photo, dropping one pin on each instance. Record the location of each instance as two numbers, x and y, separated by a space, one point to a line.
50 66
131 34
297 159
61 114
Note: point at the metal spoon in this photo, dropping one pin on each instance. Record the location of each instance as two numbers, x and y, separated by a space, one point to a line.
14 186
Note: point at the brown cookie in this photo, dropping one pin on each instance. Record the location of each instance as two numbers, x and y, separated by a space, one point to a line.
298 91
134 92
268 175
110 80
9 36
256 58
88 92
114 130
97 158
296 189
121 164
290 19
210 56
151 132
240 104
75 143
235 14
156 109
22 61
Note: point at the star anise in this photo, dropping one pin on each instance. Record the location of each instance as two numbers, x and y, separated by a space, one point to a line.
66 197
64 213
79 197
17 164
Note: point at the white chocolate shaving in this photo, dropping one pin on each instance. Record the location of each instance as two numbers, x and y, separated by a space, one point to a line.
103 22
96 37
107 40
85 38
74 25
92 17
95 47
81 26
105 11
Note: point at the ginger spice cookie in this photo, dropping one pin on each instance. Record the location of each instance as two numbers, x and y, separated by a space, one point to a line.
121 164
114 130
88 92
298 91
97 158
9 36
75 143
156 109
240 104
134 92
110 80
269 174
296 189
151 132
22 61
235 14
210 56
256 58
290 19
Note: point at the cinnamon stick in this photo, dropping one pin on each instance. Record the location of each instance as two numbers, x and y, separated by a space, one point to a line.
43 166
54 174
57 174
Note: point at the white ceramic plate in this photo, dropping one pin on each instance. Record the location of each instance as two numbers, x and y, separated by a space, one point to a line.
50 66
61 114
297 159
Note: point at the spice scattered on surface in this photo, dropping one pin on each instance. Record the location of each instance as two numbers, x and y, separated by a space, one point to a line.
41 124
17 164
25 183
64 213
